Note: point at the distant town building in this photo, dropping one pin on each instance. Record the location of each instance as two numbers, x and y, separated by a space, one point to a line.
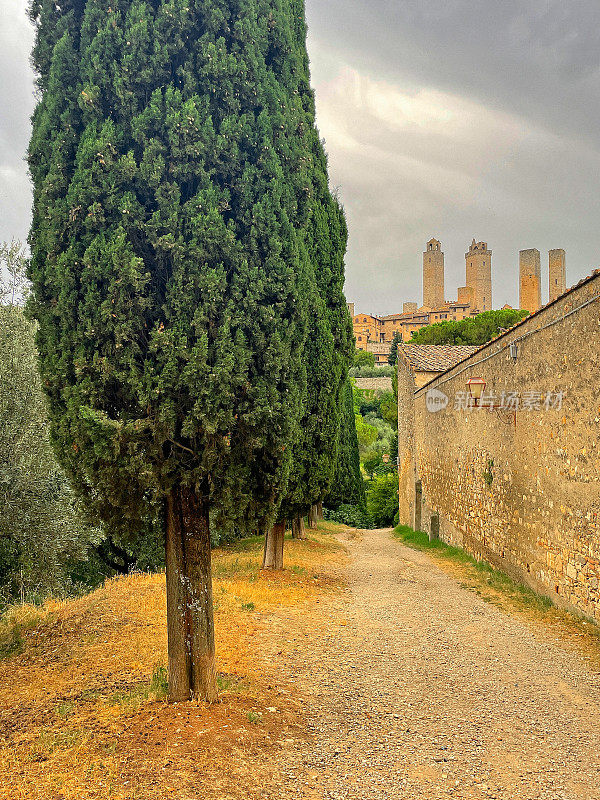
530 280
479 276
433 275
375 333
557 273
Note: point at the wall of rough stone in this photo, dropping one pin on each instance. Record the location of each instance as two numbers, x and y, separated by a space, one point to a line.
520 491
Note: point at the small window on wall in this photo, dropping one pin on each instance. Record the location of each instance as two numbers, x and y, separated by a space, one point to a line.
360 338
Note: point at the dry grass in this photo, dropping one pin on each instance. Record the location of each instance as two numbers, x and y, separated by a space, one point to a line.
82 710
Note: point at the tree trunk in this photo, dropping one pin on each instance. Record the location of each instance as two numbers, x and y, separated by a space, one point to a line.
190 624
312 517
274 541
298 529
320 510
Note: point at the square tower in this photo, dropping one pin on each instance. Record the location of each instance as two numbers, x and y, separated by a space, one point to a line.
557 260
479 275
530 283
433 275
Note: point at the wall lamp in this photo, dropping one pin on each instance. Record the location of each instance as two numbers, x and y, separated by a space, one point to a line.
476 390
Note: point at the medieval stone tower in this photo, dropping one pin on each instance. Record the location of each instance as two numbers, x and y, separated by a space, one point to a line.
433 275
557 273
530 284
479 275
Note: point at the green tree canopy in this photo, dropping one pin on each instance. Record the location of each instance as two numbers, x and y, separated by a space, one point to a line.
363 359
473 331
393 356
347 486
173 163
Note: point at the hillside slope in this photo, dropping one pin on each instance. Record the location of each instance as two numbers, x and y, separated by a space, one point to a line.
82 710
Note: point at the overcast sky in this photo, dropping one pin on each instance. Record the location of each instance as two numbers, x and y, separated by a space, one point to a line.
446 118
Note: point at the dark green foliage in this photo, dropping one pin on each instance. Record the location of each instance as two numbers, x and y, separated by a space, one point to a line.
393 356
372 462
474 331
366 401
329 343
388 408
347 487
363 359
176 170
354 516
382 499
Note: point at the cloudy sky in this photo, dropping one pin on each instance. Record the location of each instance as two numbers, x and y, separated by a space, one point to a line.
446 118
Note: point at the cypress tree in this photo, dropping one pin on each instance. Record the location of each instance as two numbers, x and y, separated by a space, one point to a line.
171 273
347 487
329 344
393 356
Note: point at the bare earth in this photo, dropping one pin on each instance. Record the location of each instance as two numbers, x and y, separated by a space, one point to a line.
420 689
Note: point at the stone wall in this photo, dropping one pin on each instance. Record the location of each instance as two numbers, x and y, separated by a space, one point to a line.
522 490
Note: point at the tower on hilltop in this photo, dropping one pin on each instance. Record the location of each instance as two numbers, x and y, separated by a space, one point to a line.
479 275
530 280
433 275
558 273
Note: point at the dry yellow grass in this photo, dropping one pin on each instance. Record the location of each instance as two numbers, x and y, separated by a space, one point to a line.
81 708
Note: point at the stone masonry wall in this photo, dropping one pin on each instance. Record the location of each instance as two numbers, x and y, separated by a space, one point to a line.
524 496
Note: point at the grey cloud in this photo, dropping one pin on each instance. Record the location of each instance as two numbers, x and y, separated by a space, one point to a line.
530 183
539 58
16 102
517 163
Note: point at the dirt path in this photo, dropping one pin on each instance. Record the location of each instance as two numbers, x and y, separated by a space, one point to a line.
420 689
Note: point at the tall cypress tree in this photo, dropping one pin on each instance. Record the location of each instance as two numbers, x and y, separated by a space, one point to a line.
347 487
170 272
329 345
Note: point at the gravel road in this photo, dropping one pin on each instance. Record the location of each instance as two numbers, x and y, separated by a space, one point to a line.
420 689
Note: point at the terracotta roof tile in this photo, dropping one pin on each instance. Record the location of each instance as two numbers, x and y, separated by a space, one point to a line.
434 357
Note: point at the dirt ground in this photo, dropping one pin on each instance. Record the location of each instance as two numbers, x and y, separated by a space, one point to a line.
365 672
419 688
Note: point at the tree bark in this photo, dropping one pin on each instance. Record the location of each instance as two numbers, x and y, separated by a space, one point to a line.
274 541
312 517
320 510
190 622
298 528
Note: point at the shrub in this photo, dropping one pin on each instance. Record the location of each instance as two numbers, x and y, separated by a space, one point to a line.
364 359
382 500
354 516
372 372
